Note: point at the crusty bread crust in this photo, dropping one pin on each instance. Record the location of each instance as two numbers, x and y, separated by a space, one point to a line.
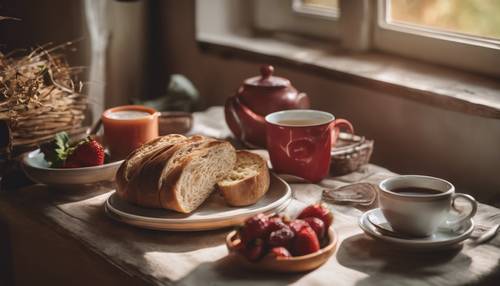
145 151
127 187
249 190
142 186
147 183
157 171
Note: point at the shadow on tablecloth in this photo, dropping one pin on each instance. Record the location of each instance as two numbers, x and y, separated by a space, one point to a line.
225 272
384 264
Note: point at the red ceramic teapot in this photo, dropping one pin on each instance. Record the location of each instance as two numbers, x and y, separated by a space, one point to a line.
256 98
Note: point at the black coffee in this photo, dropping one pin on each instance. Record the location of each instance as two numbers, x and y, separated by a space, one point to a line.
415 191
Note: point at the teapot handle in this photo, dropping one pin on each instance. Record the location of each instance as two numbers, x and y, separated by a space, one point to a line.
248 112
245 118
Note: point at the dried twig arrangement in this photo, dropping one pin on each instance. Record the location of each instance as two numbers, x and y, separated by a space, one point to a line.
39 97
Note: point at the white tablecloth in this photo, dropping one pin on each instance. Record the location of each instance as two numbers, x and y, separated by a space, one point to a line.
201 258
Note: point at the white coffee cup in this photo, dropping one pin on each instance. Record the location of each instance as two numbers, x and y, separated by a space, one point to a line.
420 213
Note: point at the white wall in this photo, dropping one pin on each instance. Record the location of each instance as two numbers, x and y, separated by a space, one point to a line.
127 51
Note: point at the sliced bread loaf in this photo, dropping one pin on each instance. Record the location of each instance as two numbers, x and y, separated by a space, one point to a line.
247 182
175 172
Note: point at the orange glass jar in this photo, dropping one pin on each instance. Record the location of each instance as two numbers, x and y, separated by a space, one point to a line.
128 127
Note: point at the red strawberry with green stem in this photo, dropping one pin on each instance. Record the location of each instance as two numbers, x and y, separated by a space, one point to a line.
86 153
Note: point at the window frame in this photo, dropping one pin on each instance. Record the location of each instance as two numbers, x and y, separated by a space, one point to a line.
384 6
299 7
357 32
435 46
292 18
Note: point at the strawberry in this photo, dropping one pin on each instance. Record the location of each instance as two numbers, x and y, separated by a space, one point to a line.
281 237
86 154
275 223
297 224
320 211
279 252
253 251
317 225
254 227
305 242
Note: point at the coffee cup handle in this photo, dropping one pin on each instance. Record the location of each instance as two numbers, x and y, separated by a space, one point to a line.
337 124
462 217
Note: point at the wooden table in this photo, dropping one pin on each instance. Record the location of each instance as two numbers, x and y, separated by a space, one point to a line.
63 237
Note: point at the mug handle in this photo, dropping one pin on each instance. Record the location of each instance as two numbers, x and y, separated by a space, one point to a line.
462 217
336 125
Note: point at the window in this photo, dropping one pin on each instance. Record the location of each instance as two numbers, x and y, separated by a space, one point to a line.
479 19
323 8
464 34
317 18
441 31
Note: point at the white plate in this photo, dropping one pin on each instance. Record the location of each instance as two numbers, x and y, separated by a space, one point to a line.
444 236
212 214
38 170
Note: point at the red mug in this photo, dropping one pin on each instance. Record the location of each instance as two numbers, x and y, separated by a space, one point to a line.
300 141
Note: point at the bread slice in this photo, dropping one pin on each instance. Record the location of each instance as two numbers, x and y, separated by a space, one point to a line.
148 181
175 172
192 178
247 182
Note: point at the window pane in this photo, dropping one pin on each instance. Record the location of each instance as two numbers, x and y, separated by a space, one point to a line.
322 4
324 8
471 17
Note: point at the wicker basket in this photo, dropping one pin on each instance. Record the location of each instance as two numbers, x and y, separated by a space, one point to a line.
38 98
350 153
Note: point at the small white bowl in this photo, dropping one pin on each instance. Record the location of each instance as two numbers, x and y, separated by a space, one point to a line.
38 170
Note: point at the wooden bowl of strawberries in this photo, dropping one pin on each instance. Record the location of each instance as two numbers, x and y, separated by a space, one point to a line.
277 243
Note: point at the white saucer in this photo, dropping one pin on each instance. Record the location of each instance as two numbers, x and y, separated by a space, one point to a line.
444 236
214 213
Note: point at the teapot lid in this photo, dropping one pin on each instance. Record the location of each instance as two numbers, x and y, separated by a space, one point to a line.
266 79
